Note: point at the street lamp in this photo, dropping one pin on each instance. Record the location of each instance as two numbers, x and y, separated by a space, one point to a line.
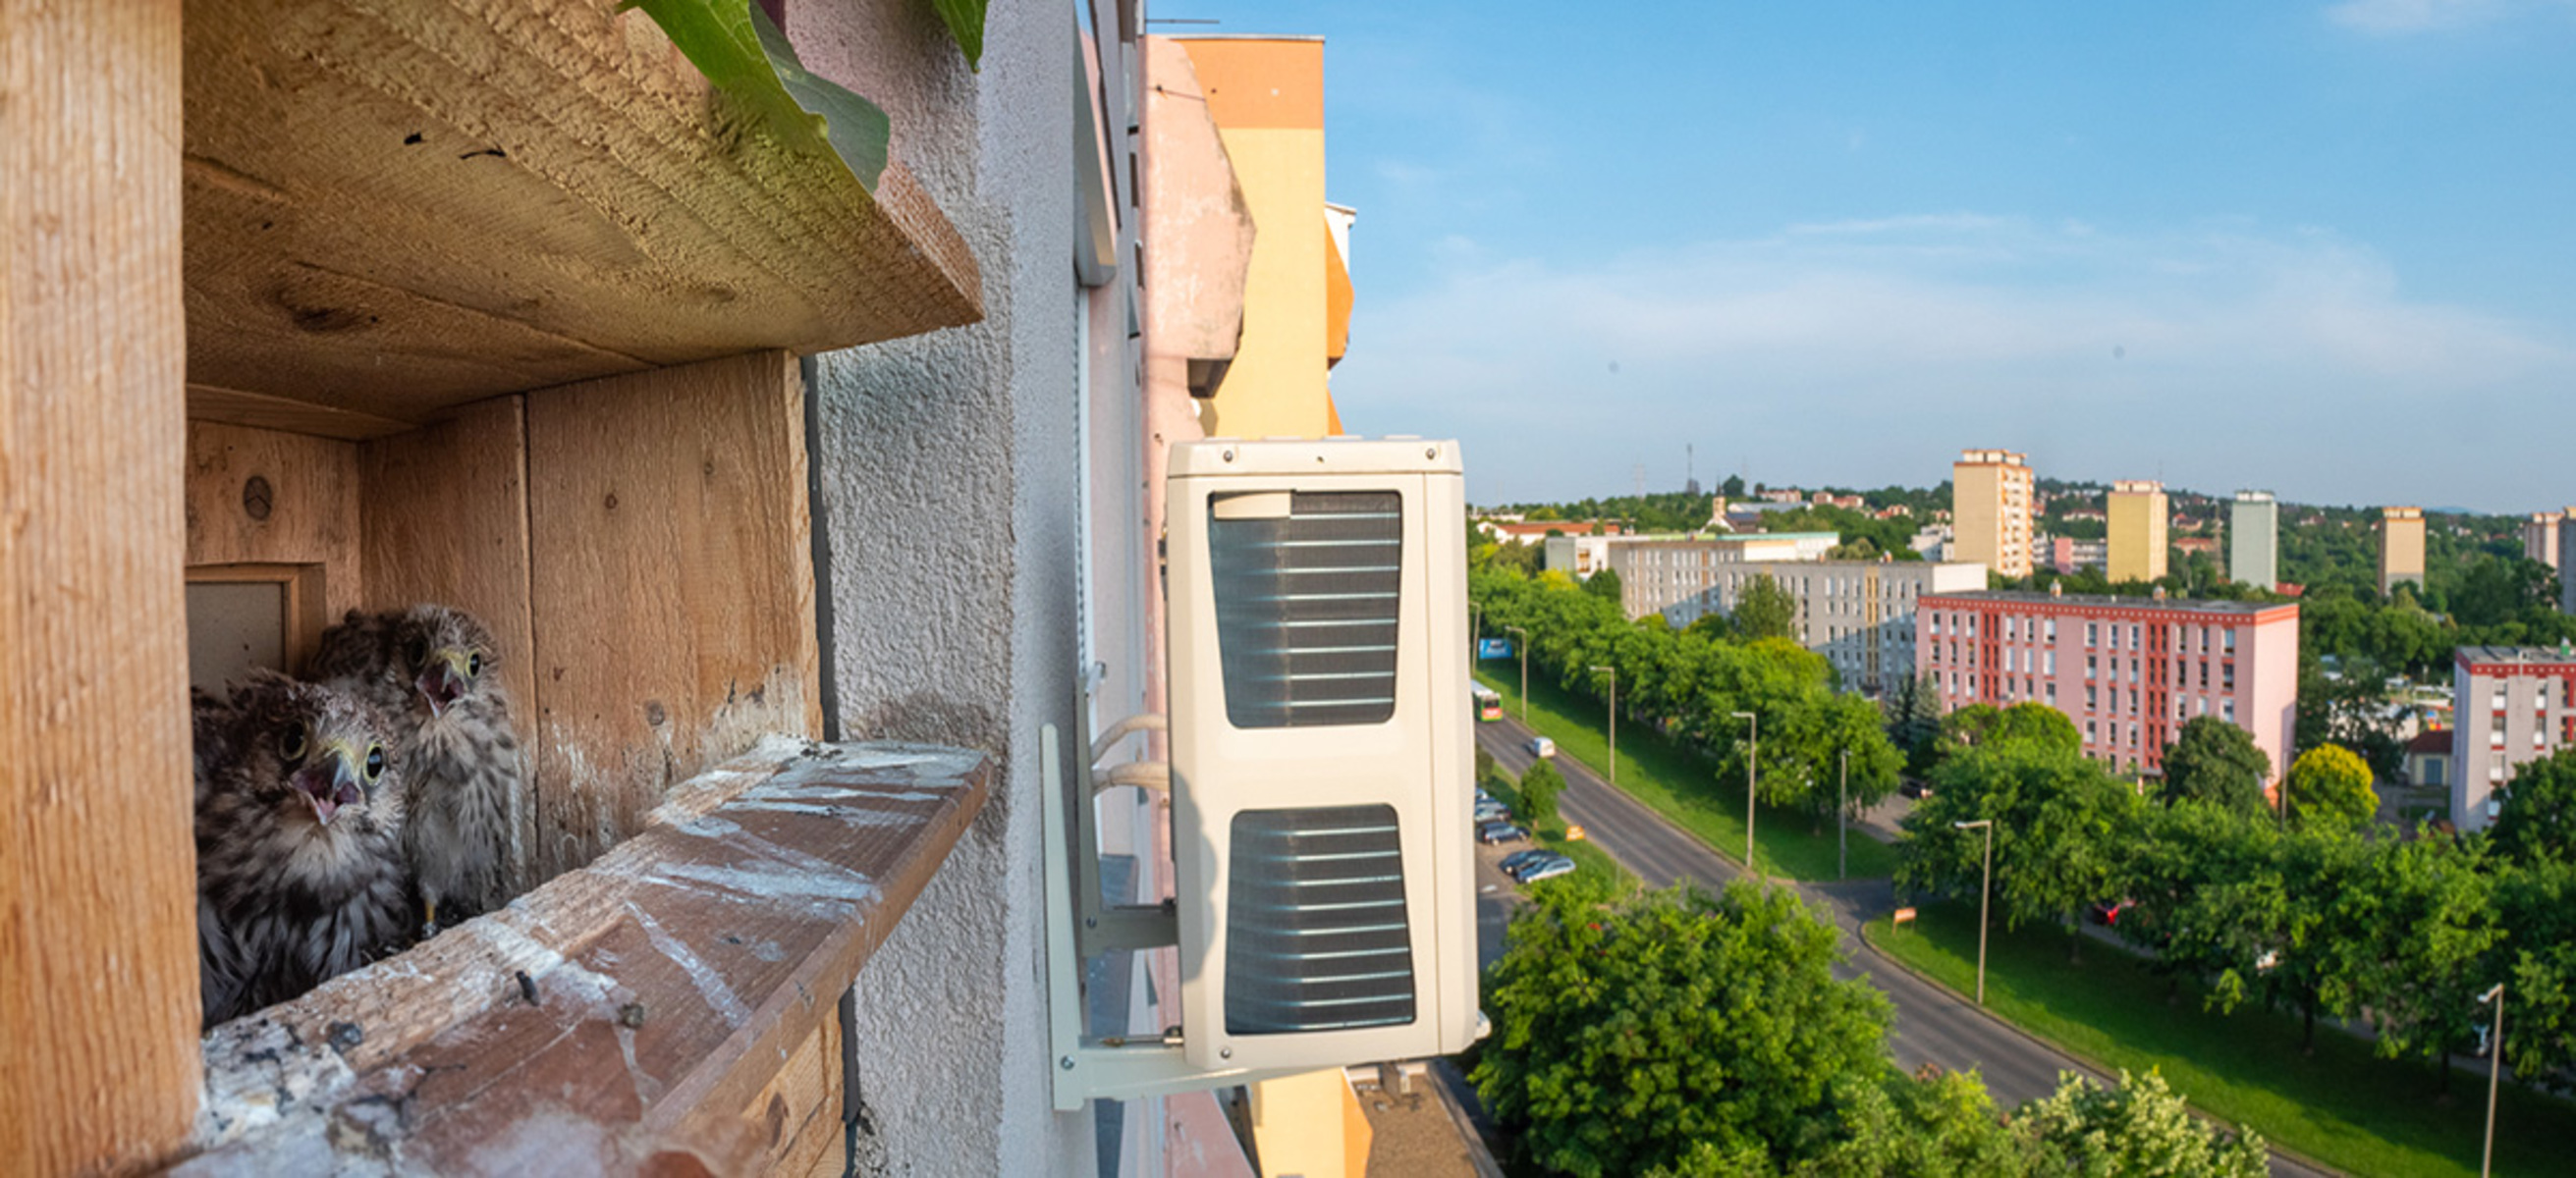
1985 896
1753 725
1524 645
1613 672
2495 1065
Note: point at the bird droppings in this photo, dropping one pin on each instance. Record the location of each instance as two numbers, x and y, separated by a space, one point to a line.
347 1035
711 985
631 1016
527 988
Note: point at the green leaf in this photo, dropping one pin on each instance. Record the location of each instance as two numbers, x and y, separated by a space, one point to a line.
965 21
737 47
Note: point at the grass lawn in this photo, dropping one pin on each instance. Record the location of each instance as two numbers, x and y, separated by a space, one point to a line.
2343 1106
1682 785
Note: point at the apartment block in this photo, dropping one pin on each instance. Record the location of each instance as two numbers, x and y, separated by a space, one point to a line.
1990 504
2137 531
2128 671
2254 539
2069 555
2512 704
1657 572
2401 547
1859 614
2540 536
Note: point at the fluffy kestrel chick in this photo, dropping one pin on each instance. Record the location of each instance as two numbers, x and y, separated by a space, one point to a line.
431 668
300 875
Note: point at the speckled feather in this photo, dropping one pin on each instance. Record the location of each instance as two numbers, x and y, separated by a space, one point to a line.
285 901
463 763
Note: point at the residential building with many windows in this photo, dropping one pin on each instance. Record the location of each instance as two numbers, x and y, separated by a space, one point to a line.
2137 531
1859 614
2511 704
2128 671
1656 572
2401 547
2540 535
2254 539
1990 503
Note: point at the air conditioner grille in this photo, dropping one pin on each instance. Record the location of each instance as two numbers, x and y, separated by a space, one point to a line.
1317 936
1306 609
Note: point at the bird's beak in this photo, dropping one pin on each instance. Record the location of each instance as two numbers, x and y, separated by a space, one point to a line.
443 681
329 782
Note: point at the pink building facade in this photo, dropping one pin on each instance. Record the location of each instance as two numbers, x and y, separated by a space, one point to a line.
2128 671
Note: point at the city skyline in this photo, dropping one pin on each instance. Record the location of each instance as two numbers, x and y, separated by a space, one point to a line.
2212 246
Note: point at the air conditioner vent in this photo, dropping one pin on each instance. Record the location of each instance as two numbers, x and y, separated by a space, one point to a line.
1306 606
1318 937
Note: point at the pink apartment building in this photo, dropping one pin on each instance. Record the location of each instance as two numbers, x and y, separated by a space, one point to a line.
2127 670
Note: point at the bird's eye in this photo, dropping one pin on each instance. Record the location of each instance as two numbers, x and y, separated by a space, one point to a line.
375 761
474 664
290 744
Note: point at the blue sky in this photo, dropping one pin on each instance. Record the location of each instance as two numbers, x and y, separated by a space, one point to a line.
2328 248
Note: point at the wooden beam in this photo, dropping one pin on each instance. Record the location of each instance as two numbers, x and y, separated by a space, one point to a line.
444 515
673 587
646 1007
258 496
261 411
98 946
393 209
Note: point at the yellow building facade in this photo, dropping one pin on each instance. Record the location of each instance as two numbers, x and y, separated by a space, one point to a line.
2401 547
2137 531
1990 493
1266 95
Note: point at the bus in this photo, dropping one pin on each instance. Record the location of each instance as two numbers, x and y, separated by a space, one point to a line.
1489 703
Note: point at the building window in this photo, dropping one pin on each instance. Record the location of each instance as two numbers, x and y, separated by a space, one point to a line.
2227 710
2048 662
2052 637
2092 634
2091 697
2227 643
2088 666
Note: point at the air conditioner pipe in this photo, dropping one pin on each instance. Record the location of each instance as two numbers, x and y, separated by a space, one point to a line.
1141 722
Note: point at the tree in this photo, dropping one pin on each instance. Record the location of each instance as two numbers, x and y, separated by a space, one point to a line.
1914 722
2140 1127
1733 487
1539 787
1941 1125
1986 726
1675 1029
2421 938
2538 820
2329 785
1765 610
1604 584
2537 901
2216 762
2062 826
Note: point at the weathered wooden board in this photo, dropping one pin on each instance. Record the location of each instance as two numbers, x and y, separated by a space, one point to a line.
98 946
796 1117
392 209
672 587
445 519
257 496
680 982
260 410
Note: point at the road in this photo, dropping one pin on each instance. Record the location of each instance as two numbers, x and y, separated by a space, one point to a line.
1931 1025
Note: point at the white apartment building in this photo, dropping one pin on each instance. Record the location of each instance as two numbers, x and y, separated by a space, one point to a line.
1859 614
2511 704
1656 572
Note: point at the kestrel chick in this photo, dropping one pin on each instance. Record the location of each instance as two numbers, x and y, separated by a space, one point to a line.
431 668
300 875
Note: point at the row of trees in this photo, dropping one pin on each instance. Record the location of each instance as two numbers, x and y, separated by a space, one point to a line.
1683 1033
2299 910
1690 683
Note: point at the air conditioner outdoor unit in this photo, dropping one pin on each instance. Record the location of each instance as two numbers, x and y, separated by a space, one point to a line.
1322 753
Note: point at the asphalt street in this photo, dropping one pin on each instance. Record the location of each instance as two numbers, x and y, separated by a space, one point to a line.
1931 1025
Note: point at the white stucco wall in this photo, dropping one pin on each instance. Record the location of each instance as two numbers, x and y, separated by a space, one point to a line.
949 486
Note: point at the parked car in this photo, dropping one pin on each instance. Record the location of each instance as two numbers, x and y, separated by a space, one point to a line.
1547 869
1489 811
1500 832
1514 862
1542 746
1915 787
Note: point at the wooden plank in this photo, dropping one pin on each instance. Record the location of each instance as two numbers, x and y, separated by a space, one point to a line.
796 1118
98 947
234 407
396 208
672 587
445 519
257 496
675 980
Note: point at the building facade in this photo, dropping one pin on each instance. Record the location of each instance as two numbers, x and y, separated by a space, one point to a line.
1656 572
2254 539
1859 614
2069 555
2511 704
2128 671
2137 531
2540 536
1990 502
2401 547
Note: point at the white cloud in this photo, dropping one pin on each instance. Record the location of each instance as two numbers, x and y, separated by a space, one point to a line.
1863 351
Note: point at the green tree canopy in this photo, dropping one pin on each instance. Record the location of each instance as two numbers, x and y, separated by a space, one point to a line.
2215 762
2538 820
2140 1127
1539 789
2329 785
1604 584
1765 610
2062 825
1675 1026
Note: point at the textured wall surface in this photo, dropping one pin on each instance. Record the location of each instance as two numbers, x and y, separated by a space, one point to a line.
949 487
